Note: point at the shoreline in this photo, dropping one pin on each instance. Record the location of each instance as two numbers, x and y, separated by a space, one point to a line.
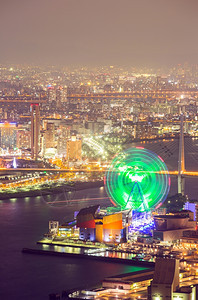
77 186
134 262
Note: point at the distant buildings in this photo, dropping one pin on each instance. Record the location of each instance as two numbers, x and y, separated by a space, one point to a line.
107 101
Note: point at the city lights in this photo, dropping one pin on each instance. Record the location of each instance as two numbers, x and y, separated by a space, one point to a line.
99 150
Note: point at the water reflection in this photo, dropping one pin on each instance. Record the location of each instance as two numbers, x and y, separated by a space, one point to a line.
61 249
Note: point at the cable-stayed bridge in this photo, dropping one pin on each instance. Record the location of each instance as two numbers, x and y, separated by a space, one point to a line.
177 154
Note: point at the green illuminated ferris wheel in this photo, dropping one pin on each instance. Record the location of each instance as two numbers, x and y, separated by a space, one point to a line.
137 179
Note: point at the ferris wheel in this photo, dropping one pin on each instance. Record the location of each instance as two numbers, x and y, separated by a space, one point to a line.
137 179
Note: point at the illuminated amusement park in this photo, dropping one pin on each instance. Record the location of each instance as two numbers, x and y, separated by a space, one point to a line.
134 229
136 222
138 182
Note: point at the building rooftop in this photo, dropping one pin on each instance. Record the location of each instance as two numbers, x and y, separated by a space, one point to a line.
184 216
164 271
88 210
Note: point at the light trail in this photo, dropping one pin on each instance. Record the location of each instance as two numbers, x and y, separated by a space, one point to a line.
96 145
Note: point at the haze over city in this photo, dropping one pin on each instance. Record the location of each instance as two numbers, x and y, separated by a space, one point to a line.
90 32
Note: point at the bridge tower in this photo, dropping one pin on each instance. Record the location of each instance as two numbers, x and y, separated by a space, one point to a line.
181 161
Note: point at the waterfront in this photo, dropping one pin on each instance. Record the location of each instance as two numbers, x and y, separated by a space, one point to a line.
23 221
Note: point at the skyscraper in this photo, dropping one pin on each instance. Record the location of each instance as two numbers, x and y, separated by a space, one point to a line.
35 130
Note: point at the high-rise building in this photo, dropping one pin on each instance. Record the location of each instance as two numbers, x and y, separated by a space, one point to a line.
74 149
8 135
50 135
61 95
63 135
23 139
35 130
51 93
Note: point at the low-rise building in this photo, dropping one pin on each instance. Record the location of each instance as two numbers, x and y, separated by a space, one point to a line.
171 227
99 227
165 284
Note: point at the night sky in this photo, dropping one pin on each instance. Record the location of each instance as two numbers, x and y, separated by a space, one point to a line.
72 32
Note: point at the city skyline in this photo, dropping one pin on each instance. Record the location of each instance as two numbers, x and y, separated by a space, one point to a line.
98 149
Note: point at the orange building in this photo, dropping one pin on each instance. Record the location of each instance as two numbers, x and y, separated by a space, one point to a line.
101 228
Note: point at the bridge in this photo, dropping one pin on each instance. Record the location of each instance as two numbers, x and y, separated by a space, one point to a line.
19 100
158 94
181 172
165 94
69 170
